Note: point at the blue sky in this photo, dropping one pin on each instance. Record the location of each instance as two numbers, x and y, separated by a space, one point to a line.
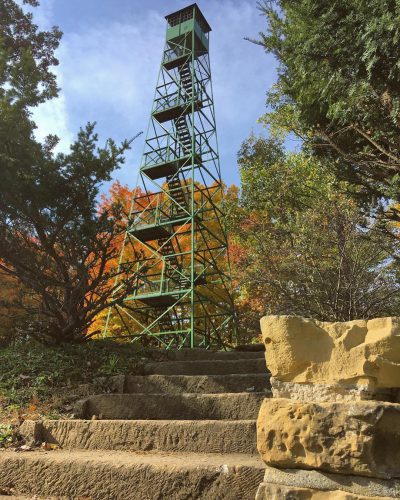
109 60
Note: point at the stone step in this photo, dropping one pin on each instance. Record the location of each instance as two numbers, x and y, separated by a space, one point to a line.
203 354
233 406
19 497
200 436
24 497
9 494
200 384
206 367
251 347
121 475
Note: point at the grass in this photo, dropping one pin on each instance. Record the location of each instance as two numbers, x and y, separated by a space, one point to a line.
38 381
6 434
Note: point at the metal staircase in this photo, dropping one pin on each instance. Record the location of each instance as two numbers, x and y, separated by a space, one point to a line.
183 134
176 192
182 296
186 81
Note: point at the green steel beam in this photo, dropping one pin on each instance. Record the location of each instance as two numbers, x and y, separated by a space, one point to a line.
176 239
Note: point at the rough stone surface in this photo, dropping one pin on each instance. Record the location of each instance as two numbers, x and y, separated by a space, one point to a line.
200 436
163 444
351 438
358 353
115 383
206 367
331 392
203 354
270 491
323 481
31 431
131 476
10 496
199 384
176 384
242 406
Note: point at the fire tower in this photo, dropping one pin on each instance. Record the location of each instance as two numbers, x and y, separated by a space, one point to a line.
175 239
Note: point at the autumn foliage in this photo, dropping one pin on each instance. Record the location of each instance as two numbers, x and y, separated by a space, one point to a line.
299 244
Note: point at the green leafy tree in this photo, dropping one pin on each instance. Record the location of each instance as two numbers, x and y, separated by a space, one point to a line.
300 245
53 238
338 87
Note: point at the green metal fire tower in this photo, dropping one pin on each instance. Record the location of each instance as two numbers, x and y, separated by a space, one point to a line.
176 238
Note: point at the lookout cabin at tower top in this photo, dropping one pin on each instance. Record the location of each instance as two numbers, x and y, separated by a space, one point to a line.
185 21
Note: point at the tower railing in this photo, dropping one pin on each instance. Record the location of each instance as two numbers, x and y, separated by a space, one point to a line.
175 99
176 240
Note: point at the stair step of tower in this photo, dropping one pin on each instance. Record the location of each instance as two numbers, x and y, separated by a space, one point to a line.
227 406
123 475
197 436
206 367
176 194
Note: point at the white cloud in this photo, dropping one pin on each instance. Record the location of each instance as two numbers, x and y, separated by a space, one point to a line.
112 65
43 15
108 74
242 73
52 118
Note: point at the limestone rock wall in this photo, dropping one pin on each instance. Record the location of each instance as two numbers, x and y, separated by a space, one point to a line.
335 411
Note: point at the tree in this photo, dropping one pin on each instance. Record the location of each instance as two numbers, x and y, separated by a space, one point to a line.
299 242
26 58
15 301
53 238
148 265
338 87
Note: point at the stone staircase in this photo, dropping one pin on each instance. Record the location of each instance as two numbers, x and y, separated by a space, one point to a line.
185 429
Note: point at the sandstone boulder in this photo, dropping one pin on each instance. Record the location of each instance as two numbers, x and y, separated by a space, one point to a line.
307 392
349 438
358 354
271 491
316 485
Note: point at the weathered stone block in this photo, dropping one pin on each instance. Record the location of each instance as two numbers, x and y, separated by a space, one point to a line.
319 484
31 431
271 491
307 392
350 438
357 353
